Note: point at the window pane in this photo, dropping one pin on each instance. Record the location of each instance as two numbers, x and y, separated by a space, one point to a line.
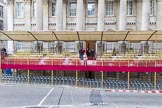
19 46
109 8
20 12
34 9
91 8
1 11
73 8
129 7
54 9
151 7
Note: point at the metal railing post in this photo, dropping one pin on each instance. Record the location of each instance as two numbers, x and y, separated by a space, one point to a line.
52 81
102 76
28 72
154 80
28 76
128 80
76 75
52 78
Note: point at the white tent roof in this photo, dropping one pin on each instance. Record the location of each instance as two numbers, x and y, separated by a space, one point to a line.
81 35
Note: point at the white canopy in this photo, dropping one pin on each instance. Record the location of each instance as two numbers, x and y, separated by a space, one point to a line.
81 35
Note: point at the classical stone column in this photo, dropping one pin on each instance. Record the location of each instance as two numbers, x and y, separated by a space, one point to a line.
59 15
5 18
39 15
159 15
145 14
27 15
79 21
139 15
10 26
122 15
64 14
45 15
10 16
101 15
45 21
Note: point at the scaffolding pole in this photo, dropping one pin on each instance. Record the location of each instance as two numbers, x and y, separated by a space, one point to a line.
154 80
28 75
102 77
128 80
52 78
52 73
76 78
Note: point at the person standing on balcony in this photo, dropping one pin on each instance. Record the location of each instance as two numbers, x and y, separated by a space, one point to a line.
3 55
43 60
81 53
4 51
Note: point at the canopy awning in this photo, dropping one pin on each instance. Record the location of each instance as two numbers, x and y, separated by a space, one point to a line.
81 35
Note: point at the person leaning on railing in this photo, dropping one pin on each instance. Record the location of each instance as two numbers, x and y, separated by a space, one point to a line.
3 55
4 52
43 60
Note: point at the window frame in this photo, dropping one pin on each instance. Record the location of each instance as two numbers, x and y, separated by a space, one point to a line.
91 2
129 8
19 10
109 9
151 7
53 8
1 11
74 9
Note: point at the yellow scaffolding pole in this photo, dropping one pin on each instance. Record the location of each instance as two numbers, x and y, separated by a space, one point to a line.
28 75
154 80
52 78
102 77
155 73
28 72
128 80
155 66
76 75
128 71
52 73
76 78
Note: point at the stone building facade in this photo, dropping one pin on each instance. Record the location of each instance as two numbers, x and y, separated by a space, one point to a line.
89 15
